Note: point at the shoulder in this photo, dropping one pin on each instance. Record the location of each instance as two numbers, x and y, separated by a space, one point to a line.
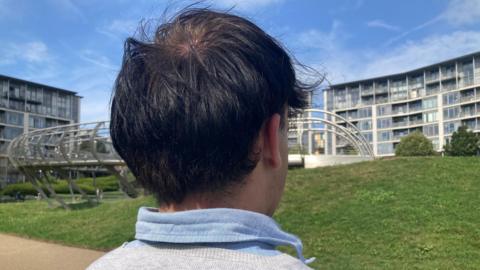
191 257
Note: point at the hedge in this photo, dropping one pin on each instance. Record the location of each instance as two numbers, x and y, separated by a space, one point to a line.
60 187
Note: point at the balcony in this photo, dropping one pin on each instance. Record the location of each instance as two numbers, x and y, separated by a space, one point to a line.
416 121
448 75
467 113
467 98
381 90
399 111
400 124
415 107
381 100
432 78
367 101
472 125
367 91
399 136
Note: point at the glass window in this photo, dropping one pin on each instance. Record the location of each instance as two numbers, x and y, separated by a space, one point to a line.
450 127
430 117
365 112
450 113
429 103
384 123
384 136
430 130
365 125
14 118
368 136
385 148
384 110
10 132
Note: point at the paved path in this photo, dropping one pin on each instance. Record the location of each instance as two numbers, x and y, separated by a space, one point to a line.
19 253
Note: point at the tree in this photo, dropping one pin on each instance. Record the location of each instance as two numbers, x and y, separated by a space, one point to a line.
463 143
414 144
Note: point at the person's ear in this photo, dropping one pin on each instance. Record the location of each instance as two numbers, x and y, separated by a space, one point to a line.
271 141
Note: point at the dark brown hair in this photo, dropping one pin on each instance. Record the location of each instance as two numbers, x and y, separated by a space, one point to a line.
188 103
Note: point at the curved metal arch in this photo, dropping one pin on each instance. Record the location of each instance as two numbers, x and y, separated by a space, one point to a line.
347 123
356 137
354 143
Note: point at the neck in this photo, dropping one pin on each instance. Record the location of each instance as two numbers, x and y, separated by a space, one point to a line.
250 195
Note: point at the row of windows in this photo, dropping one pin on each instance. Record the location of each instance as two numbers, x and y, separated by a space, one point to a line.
389 109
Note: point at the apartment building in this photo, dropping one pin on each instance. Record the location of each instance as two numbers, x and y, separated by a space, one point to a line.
26 106
436 100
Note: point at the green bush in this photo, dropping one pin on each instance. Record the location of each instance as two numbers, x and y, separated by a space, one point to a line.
105 183
62 188
463 143
23 188
414 144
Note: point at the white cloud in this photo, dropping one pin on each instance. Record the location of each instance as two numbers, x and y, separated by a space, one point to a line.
246 4
28 52
89 73
462 12
342 64
382 24
69 8
119 28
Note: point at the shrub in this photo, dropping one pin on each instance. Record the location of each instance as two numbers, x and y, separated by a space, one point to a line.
105 183
462 143
62 188
23 188
414 144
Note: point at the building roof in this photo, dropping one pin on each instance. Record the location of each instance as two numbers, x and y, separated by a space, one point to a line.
379 78
39 84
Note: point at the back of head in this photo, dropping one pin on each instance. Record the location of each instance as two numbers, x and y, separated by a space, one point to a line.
189 102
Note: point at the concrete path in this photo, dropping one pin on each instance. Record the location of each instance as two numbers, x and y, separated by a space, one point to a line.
20 253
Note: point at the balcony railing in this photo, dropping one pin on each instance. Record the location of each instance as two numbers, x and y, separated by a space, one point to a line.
367 91
467 113
400 124
448 75
432 78
415 108
416 122
467 98
381 90
399 111
399 136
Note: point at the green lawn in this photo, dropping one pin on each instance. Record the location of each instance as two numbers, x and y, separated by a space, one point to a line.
415 213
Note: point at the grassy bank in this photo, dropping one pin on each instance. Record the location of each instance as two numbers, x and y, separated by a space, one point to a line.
389 214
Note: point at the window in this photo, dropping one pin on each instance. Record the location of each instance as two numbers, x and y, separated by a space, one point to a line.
450 127
451 98
385 148
36 122
365 112
430 130
368 136
429 103
365 125
384 136
430 117
10 132
384 110
450 113
14 118
384 123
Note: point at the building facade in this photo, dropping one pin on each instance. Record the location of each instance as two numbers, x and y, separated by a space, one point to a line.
26 106
435 100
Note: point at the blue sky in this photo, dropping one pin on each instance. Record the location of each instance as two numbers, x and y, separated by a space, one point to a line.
77 45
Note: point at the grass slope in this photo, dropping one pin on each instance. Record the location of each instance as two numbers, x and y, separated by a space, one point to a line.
413 213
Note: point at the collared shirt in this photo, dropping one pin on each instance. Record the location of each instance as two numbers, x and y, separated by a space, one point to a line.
233 229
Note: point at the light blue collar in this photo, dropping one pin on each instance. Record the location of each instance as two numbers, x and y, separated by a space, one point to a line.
215 225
